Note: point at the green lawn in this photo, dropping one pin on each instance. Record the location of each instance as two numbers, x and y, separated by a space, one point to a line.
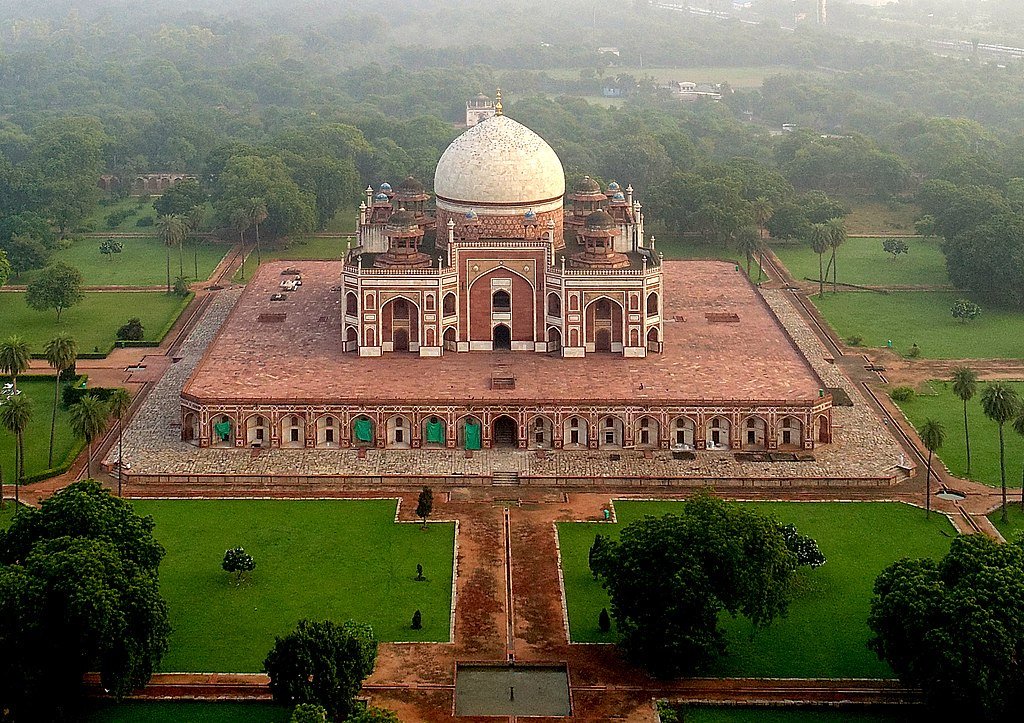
143 262
187 712
676 248
697 714
136 207
923 318
825 633
871 216
314 559
863 262
1015 519
94 322
39 392
946 408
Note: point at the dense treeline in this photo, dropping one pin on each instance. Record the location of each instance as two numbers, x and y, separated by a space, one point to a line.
285 113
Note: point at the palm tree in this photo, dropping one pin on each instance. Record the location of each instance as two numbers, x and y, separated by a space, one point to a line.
965 386
1018 427
1000 404
15 414
819 243
88 418
14 358
257 215
763 211
60 352
120 401
747 242
172 231
933 434
240 220
836 238
194 221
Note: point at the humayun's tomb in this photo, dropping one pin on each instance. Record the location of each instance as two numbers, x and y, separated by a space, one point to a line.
503 312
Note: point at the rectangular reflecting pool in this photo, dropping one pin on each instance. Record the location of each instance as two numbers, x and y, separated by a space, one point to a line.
507 690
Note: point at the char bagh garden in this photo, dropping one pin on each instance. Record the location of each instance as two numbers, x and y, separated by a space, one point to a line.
440 361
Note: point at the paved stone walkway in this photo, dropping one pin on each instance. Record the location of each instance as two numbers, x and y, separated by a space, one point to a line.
864 447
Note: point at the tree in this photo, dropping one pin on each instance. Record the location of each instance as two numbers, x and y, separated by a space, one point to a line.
670 578
61 352
425 505
323 663
895 247
955 628
308 713
133 330
596 550
25 253
836 238
180 198
240 222
1000 403
15 415
88 418
933 434
78 592
120 401
15 356
257 215
371 714
171 230
819 244
763 210
57 287
1018 427
5 268
747 243
419 572
238 562
965 386
417 620
965 310
804 547
604 623
194 221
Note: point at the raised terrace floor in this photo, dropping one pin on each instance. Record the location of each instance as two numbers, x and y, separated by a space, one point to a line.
291 351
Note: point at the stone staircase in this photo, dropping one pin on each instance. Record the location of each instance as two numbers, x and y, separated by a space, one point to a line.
504 479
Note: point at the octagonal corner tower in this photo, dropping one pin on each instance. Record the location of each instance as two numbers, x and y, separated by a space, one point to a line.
499 171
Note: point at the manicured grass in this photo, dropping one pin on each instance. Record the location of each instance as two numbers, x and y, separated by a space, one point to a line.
1015 519
141 207
94 322
730 714
39 392
863 262
321 560
143 262
187 711
923 318
947 409
870 216
825 633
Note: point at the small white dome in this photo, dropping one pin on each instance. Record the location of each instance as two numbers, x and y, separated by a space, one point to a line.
499 162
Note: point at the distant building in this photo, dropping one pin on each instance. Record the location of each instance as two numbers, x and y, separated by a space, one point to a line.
687 90
608 50
611 91
478 109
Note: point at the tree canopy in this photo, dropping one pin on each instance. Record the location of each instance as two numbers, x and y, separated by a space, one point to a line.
955 627
79 592
58 287
670 578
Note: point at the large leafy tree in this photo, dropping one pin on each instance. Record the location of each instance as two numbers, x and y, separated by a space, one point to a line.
180 198
323 663
58 287
290 210
5 268
956 628
1000 403
78 592
60 353
965 386
670 578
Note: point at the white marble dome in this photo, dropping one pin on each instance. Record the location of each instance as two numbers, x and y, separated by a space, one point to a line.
499 163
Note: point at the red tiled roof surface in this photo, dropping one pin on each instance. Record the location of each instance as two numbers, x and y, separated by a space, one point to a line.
301 358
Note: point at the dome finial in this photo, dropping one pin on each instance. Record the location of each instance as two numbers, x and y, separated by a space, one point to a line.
497 103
